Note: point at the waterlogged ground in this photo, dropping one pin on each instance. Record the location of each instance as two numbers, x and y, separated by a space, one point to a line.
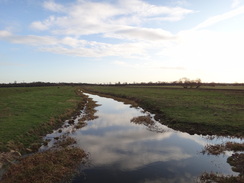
125 148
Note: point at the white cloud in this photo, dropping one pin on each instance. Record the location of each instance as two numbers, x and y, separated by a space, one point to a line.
172 68
207 50
4 34
29 39
95 49
38 25
181 3
123 20
143 9
218 18
200 49
78 47
235 3
134 33
52 6
85 17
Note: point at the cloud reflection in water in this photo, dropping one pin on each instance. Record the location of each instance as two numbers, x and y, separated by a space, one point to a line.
126 149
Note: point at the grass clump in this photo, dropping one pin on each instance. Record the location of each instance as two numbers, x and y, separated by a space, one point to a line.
236 161
46 167
217 149
65 142
88 113
233 146
215 178
146 120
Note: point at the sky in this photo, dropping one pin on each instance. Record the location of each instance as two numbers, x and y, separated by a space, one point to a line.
110 41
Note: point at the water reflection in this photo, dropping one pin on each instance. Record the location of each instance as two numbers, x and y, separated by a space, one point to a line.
124 148
122 151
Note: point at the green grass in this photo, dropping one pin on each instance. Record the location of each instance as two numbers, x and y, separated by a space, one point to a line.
228 87
193 110
25 111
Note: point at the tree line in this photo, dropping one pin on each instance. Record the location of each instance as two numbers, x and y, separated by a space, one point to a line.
183 82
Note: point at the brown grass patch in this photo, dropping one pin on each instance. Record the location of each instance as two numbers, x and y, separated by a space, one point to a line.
214 149
215 178
145 120
234 146
65 142
237 163
220 148
47 167
89 113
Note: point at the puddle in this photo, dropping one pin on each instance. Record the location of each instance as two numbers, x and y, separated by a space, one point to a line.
123 149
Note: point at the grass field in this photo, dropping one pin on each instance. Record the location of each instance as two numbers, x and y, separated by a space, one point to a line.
28 113
217 111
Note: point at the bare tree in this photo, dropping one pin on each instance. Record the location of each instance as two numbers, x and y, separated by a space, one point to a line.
185 82
198 82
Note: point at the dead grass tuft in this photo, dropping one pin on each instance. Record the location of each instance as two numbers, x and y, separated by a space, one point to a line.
220 148
145 120
214 149
237 163
234 146
89 113
47 167
215 178
65 142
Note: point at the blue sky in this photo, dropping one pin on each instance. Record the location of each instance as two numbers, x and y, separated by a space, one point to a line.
106 41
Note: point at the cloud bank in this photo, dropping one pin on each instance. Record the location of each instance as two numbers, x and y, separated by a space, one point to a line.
124 21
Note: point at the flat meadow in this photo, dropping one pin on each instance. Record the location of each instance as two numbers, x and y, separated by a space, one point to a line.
27 113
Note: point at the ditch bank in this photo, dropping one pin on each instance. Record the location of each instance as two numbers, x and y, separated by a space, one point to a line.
58 159
183 126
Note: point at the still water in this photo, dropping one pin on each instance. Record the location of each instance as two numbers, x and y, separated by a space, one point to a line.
122 151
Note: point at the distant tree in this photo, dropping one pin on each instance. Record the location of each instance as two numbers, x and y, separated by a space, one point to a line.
212 84
185 83
198 82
